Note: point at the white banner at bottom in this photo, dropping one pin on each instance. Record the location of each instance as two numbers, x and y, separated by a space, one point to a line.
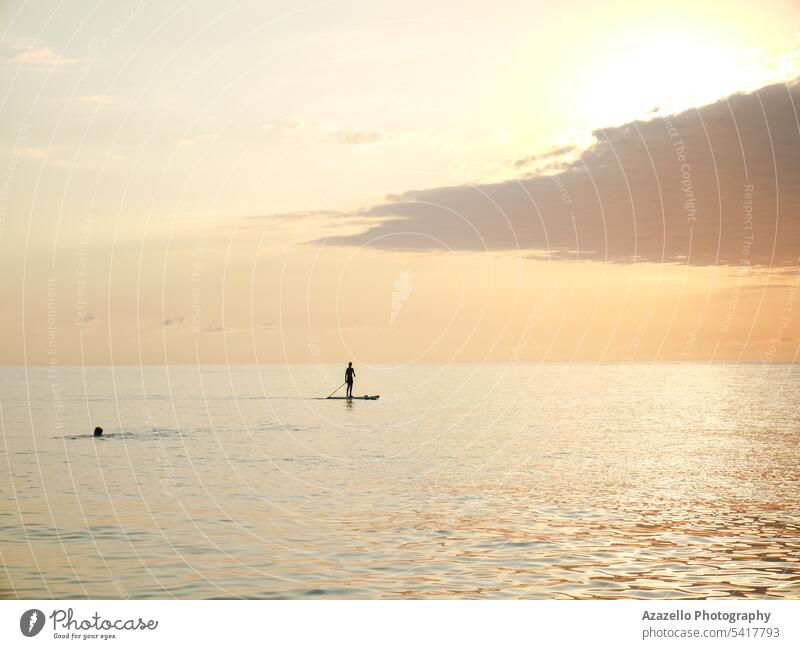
401 624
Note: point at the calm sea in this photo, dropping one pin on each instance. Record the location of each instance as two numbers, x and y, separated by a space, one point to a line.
541 481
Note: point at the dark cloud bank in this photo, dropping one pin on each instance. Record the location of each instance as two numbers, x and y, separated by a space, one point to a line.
719 184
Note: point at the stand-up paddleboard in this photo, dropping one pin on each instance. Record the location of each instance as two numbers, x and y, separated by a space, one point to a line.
366 397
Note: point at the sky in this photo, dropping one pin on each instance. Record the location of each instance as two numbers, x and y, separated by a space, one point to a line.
380 182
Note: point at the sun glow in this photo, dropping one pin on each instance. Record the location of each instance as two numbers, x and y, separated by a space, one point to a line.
669 71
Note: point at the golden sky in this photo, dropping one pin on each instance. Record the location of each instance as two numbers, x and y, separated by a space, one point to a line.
399 182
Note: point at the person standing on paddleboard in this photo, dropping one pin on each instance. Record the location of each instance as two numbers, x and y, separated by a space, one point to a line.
349 375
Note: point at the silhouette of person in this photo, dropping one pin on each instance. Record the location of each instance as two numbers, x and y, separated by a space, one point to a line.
349 375
98 431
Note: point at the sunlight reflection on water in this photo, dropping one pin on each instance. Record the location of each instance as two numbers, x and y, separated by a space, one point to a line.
567 481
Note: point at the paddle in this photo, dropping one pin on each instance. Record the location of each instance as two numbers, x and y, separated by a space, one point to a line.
335 391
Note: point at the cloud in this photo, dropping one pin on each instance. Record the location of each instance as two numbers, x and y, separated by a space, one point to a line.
294 216
83 319
32 152
171 322
214 330
717 184
288 126
357 137
294 128
281 220
303 221
28 54
268 326
547 155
